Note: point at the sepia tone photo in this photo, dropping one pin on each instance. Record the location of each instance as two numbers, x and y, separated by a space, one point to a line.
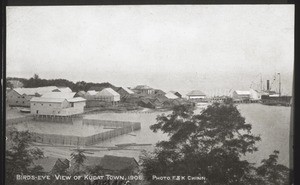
149 95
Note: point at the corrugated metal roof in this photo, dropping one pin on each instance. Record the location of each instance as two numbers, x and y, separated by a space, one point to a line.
108 92
242 92
143 87
47 100
64 89
33 91
171 95
92 92
77 99
128 90
66 95
196 93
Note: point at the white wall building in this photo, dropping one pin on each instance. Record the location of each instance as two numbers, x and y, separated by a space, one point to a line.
57 104
108 95
196 95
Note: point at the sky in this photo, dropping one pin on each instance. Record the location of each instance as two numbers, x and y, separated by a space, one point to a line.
213 48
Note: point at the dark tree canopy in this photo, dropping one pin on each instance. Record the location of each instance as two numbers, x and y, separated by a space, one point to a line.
36 81
19 156
209 145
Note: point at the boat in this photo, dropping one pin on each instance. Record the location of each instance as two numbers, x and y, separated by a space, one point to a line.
274 98
25 110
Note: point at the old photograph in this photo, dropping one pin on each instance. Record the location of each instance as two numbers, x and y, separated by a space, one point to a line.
149 95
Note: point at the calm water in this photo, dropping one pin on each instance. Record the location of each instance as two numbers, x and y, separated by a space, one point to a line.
75 128
270 122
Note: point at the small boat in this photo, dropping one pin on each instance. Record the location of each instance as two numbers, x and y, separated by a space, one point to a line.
25 110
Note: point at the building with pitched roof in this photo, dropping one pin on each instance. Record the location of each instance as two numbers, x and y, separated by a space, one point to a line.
241 95
144 89
52 165
176 93
196 95
57 104
171 95
21 96
108 95
124 91
80 94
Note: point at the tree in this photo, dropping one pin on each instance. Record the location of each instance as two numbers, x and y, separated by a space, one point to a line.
79 157
209 145
19 156
273 173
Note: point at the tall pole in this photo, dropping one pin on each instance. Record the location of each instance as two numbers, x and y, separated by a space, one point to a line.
279 84
261 83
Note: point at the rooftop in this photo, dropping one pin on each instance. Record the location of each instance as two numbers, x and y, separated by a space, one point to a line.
242 92
108 92
65 95
196 93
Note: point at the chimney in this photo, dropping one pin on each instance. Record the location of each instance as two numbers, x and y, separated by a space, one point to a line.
268 85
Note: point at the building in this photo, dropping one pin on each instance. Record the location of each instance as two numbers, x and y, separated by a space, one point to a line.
146 103
109 164
241 95
124 91
119 165
176 93
63 89
21 96
108 95
196 95
254 95
80 94
144 89
171 95
52 165
90 95
57 104
159 92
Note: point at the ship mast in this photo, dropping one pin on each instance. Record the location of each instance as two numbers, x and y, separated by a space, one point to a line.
261 83
279 84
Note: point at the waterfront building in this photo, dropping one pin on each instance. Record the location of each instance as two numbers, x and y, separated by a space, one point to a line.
254 95
144 89
21 96
196 95
57 104
241 95
108 95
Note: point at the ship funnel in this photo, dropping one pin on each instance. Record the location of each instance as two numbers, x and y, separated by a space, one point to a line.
268 85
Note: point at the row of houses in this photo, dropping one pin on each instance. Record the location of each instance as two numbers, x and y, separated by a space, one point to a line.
21 96
61 101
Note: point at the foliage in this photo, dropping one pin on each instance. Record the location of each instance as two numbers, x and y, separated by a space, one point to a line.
79 157
273 173
209 144
36 81
19 156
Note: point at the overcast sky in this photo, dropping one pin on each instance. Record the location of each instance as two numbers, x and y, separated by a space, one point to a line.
212 48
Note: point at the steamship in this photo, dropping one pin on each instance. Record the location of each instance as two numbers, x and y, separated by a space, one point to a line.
271 97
